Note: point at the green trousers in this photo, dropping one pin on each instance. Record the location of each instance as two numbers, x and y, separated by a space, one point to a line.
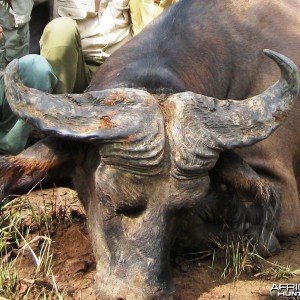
61 45
35 72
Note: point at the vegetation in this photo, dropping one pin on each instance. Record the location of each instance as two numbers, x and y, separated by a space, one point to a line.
26 230
241 256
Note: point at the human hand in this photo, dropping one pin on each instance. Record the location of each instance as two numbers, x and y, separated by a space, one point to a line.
1 33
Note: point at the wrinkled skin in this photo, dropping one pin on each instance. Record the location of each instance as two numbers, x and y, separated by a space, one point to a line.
141 163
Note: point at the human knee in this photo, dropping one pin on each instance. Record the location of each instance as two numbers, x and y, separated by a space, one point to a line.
36 72
54 36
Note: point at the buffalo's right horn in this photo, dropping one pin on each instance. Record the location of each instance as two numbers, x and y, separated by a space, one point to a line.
129 122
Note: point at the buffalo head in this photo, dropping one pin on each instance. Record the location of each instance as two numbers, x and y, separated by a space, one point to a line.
142 161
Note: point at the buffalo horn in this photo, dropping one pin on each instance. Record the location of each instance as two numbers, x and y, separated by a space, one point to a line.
126 115
201 127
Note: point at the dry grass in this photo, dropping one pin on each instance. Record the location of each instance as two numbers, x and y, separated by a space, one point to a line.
275 272
26 229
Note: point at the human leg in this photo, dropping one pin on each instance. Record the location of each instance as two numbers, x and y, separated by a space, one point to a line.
35 72
62 49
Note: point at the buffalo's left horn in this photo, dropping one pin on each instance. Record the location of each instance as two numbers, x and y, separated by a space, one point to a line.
201 127
236 123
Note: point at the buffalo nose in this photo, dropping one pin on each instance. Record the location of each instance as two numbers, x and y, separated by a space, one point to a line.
139 287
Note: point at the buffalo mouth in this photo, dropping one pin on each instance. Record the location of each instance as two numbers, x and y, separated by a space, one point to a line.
117 290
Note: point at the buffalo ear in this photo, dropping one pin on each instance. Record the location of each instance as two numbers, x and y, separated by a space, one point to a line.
201 127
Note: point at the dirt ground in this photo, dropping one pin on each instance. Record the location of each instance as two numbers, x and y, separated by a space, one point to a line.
74 265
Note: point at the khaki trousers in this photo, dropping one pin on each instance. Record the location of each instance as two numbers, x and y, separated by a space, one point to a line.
61 46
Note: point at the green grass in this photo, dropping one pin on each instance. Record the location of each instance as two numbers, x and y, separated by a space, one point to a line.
8 279
238 256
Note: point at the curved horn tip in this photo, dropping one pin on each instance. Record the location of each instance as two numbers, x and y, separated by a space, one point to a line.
281 59
289 70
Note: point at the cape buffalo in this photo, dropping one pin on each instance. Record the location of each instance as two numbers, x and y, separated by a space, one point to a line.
140 143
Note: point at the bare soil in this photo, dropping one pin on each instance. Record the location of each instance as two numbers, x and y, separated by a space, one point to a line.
74 265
